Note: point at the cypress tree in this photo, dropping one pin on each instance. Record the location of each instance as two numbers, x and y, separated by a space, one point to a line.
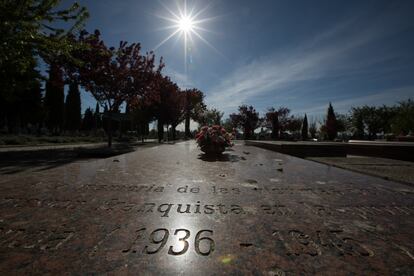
73 108
32 112
88 120
98 119
305 128
331 124
54 99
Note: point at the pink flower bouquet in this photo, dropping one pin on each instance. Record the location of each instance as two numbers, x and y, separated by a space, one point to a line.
213 139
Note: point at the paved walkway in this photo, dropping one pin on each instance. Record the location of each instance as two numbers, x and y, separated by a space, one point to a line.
169 210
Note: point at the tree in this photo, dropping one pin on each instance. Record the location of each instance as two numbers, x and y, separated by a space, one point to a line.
210 117
331 124
193 105
386 116
403 122
97 115
73 108
313 129
114 76
272 122
284 118
22 105
88 120
229 125
357 122
33 107
344 125
247 119
294 126
174 106
368 118
166 102
54 99
305 129
277 120
27 30
141 115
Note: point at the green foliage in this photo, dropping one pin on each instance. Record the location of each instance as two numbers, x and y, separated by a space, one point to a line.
277 120
305 128
22 105
372 120
247 119
294 126
271 121
403 121
194 106
331 125
73 108
313 129
210 117
357 121
27 30
88 121
98 118
343 122
230 126
54 99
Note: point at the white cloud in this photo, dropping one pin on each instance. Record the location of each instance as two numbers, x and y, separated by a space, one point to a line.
182 80
326 55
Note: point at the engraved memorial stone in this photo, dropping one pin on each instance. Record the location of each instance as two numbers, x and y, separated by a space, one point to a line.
140 215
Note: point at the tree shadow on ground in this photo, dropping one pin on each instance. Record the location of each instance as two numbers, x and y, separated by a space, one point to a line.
40 160
225 157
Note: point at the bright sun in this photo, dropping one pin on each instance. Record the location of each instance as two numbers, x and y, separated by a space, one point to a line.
185 24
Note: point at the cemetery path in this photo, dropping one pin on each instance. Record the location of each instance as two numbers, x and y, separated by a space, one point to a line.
171 210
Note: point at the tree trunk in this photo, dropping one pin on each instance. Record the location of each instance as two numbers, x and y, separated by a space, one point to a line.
173 132
187 125
274 133
246 133
160 127
109 131
275 129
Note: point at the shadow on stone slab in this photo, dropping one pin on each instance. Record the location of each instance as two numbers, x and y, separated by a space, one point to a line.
40 160
225 157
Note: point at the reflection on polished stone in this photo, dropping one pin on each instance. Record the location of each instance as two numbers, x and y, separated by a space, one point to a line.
171 210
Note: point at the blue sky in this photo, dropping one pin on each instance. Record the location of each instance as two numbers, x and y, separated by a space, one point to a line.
299 54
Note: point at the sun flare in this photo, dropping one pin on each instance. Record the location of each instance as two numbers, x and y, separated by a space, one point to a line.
185 24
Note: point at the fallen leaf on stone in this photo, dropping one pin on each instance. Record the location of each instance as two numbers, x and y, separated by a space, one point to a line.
226 259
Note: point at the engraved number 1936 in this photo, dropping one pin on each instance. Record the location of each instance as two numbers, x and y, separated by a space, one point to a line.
160 238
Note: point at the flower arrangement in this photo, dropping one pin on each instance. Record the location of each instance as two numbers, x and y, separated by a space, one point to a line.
213 139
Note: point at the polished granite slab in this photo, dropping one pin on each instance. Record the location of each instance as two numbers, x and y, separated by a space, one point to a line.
170 210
